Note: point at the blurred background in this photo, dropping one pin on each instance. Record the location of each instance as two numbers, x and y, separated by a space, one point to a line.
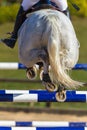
8 11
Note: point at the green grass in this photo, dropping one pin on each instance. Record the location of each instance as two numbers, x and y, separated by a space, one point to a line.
11 55
81 31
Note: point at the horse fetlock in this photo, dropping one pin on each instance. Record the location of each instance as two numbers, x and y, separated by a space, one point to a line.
61 88
40 64
46 78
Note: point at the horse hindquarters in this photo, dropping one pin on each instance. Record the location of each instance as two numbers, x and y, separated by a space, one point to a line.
45 27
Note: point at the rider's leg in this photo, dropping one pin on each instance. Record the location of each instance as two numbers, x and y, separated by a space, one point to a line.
21 16
62 6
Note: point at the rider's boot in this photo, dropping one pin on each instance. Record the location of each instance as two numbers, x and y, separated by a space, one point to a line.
21 16
67 13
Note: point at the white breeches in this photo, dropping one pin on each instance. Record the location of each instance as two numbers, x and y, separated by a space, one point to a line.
27 4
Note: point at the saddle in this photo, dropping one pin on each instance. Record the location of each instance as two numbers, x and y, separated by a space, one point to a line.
42 6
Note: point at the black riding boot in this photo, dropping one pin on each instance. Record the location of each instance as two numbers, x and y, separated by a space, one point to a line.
67 13
21 16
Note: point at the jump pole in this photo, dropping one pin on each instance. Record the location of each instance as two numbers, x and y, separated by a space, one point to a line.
15 66
40 96
42 124
43 128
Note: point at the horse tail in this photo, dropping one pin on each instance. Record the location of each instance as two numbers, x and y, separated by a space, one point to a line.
58 71
59 74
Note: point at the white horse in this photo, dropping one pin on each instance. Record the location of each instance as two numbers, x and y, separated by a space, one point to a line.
48 36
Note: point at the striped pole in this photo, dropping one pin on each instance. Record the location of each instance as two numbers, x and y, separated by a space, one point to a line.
40 96
15 66
11 65
43 124
43 128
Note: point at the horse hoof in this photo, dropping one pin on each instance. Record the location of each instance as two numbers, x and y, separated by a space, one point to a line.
41 74
61 96
31 73
46 81
50 86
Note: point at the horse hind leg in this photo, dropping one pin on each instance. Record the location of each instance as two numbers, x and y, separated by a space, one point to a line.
36 56
32 68
46 81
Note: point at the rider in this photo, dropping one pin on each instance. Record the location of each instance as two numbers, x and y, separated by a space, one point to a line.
25 7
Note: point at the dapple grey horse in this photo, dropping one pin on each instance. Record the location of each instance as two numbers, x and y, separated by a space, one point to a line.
48 36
